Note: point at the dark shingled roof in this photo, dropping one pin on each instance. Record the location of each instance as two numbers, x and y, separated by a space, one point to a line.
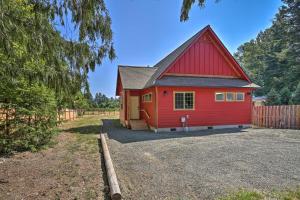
134 77
203 82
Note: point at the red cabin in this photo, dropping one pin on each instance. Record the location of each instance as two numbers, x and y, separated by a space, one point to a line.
197 86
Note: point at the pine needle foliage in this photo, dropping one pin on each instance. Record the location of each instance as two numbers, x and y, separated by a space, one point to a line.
43 70
272 58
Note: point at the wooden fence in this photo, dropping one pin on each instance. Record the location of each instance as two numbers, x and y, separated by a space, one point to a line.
69 114
66 114
101 112
277 116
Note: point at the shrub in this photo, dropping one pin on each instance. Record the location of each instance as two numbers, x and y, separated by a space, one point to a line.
30 117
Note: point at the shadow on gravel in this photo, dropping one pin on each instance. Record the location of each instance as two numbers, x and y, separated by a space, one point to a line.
90 129
103 170
124 135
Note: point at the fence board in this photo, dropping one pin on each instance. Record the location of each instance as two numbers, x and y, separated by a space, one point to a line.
285 116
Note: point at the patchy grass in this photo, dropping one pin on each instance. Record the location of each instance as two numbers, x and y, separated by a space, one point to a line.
244 195
288 195
69 168
256 195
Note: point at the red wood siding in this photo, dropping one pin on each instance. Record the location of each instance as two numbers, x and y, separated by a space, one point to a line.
122 107
149 107
119 87
207 111
126 92
134 92
203 57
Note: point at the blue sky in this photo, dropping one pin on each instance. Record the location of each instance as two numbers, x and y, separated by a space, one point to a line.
147 30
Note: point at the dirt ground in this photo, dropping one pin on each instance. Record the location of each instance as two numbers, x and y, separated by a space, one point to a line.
71 168
204 164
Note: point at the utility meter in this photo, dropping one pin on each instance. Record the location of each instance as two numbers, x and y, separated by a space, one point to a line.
183 119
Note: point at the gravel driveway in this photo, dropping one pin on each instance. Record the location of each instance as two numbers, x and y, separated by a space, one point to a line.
203 164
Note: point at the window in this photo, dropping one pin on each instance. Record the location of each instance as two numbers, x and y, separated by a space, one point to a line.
230 96
219 96
240 96
147 97
184 100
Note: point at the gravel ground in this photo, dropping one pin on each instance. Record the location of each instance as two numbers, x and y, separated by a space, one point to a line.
203 164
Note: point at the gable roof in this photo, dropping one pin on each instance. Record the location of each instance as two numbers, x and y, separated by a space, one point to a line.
134 77
169 59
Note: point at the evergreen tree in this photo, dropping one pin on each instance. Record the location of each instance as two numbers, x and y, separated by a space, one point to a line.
296 95
272 58
102 101
186 7
285 96
41 70
273 98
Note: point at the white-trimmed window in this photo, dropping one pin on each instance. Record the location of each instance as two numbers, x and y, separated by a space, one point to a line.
230 96
184 100
240 96
219 96
147 97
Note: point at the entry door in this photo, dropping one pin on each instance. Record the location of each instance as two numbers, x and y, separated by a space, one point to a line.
134 107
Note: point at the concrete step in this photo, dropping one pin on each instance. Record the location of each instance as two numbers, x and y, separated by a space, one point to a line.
138 125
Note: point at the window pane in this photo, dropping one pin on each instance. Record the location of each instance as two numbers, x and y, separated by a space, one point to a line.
147 97
189 100
219 96
179 100
240 96
230 96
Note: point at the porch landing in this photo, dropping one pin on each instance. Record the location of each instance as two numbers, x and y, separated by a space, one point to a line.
138 125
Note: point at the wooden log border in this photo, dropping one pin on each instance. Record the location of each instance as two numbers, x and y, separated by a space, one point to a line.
115 192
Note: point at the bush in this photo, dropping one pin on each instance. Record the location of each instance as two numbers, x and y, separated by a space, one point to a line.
30 117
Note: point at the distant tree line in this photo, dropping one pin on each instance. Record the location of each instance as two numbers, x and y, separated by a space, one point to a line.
102 101
272 59
99 101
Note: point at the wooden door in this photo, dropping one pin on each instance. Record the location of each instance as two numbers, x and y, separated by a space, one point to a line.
134 107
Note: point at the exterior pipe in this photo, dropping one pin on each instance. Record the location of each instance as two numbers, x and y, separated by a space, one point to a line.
115 192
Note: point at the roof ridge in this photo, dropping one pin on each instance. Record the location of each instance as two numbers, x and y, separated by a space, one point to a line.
133 66
172 56
191 38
